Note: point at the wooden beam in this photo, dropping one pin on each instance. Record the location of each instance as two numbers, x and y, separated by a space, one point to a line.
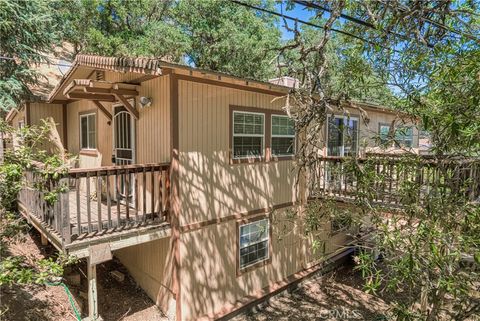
103 109
126 92
43 239
92 290
64 125
99 97
120 240
131 109
142 79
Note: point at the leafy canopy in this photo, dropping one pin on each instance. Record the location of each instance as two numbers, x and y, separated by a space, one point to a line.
210 34
27 32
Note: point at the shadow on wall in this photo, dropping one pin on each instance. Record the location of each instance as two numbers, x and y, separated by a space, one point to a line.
210 280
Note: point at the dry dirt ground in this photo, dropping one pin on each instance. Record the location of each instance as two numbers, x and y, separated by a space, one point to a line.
117 300
335 296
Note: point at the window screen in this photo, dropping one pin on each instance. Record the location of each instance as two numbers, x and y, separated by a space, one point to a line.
283 136
88 131
254 242
248 134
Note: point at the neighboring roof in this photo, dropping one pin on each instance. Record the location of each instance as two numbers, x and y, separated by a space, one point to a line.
51 73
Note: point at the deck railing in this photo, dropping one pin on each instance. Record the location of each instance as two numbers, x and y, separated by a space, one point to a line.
88 202
385 180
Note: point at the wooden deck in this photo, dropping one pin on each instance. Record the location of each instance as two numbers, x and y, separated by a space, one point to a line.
119 217
394 178
86 212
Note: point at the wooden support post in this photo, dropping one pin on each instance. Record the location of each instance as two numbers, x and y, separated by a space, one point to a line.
92 291
65 212
44 239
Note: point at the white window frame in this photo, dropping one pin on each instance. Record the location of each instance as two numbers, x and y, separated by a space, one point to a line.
80 124
345 119
294 136
402 142
380 125
267 238
395 142
247 135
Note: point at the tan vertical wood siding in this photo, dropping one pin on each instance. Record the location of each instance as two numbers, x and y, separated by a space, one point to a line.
211 187
209 277
104 134
147 263
153 125
39 111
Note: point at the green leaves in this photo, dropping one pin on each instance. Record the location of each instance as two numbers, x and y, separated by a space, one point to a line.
27 33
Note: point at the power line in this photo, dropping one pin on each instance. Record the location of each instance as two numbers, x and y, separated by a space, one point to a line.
309 23
372 26
403 8
350 18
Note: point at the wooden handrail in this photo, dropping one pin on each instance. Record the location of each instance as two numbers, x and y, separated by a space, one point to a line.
119 167
94 200
329 178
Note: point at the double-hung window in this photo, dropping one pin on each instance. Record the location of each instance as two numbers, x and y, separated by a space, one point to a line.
248 134
88 130
254 239
283 136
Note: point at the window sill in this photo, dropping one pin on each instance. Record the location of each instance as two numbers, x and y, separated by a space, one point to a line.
247 160
252 267
282 158
88 152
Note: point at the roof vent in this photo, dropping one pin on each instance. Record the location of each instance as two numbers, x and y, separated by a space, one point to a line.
99 75
285 81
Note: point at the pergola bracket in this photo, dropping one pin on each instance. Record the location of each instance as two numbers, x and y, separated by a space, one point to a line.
103 109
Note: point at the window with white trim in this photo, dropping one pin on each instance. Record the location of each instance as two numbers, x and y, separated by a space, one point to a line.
248 134
88 131
283 136
342 136
404 136
254 239
384 133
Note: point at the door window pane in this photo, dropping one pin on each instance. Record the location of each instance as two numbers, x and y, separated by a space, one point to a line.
342 136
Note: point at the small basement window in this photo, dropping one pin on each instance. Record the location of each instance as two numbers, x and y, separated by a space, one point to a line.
88 131
248 134
283 136
254 241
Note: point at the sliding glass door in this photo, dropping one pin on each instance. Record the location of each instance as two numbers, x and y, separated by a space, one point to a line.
342 136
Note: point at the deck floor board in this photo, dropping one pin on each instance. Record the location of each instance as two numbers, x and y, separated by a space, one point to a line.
94 217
